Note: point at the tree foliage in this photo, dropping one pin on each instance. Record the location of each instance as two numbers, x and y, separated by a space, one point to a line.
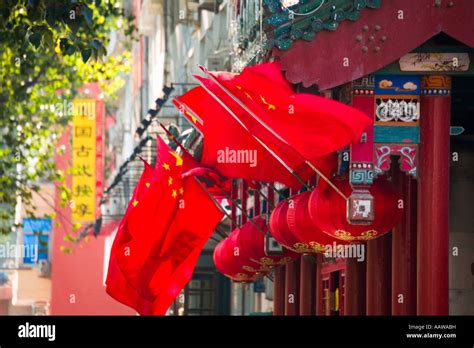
48 50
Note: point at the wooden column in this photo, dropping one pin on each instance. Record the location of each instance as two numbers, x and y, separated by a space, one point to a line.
234 195
379 278
319 286
404 248
433 204
256 200
243 196
307 285
279 291
354 294
292 287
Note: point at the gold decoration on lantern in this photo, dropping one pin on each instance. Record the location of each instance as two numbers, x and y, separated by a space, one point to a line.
344 235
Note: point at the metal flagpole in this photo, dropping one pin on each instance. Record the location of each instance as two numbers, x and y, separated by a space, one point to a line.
287 167
268 128
217 184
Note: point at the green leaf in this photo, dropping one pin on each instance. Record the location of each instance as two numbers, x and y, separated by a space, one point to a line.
96 44
48 39
35 39
86 54
70 50
87 12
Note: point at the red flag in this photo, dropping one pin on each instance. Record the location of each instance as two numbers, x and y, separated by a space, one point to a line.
233 151
150 215
163 242
312 125
171 265
193 116
117 285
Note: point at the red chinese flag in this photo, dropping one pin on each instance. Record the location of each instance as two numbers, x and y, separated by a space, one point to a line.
233 151
117 285
191 115
151 215
312 125
171 264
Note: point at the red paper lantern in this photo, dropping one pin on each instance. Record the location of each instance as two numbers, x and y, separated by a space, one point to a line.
304 228
328 211
237 257
241 256
281 231
231 268
251 240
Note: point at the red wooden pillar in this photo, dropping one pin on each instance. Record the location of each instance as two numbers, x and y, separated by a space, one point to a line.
354 294
379 278
279 291
307 285
404 249
243 197
433 204
292 287
319 286
256 200
234 194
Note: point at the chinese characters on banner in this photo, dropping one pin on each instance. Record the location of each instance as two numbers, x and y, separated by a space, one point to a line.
84 160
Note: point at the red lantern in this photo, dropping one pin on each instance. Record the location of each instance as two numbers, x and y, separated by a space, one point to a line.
282 233
304 228
231 268
251 240
328 211
237 257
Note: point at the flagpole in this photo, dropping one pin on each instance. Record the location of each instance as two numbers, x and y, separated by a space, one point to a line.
189 110
268 128
186 151
217 184
287 167
270 204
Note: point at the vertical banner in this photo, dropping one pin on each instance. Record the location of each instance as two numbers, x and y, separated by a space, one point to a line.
99 152
84 160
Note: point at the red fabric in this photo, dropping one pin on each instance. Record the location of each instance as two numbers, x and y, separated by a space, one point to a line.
117 285
312 125
149 220
222 132
183 104
166 236
193 224
328 211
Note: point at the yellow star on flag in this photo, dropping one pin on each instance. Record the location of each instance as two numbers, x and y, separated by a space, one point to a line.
181 191
179 160
135 203
174 194
147 184
270 106
194 119
166 166
170 181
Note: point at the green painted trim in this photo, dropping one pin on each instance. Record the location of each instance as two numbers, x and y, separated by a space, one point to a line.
288 29
397 134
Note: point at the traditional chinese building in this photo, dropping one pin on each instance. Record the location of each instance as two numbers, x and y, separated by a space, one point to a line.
406 64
